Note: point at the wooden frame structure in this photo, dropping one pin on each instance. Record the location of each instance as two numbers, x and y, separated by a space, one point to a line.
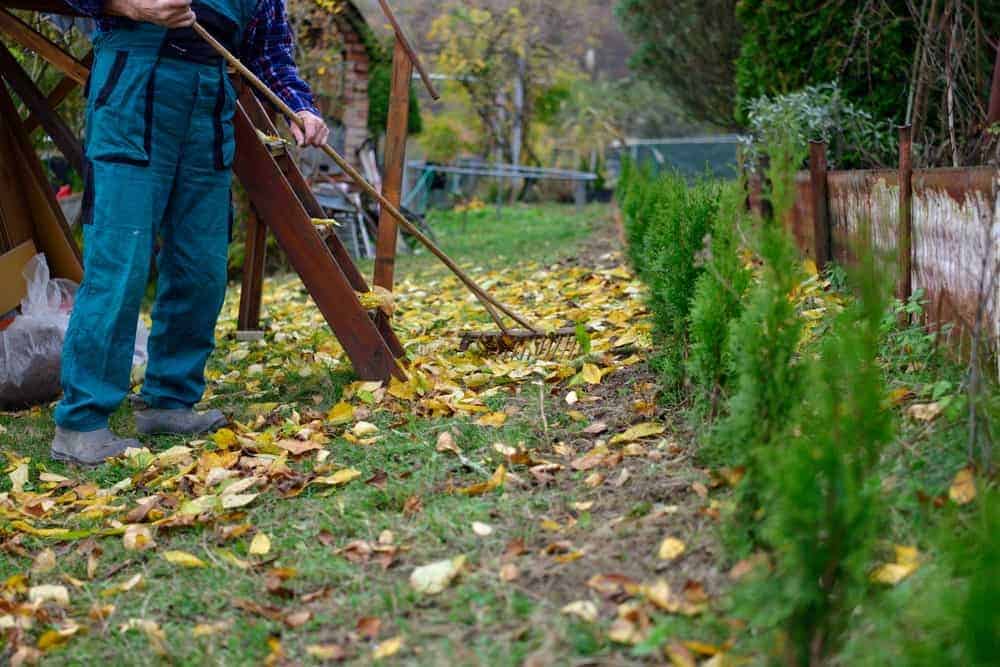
281 200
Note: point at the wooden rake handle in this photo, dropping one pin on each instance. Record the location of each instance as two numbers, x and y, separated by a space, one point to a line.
491 304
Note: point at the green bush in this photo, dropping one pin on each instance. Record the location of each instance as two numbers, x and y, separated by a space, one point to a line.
379 87
790 44
821 489
955 620
636 197
718 300
666 222
683 217
763 344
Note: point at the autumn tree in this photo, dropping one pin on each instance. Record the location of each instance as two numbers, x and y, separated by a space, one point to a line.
505 59
689 47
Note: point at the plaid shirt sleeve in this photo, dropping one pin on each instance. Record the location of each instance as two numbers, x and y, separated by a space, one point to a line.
87 7
267 51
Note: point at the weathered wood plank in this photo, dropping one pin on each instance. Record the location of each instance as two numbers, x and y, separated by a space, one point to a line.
31 39
278 206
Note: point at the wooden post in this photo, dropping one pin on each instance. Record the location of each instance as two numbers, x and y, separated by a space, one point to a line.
905 235
253 277
395 162
764 183
993 115
820 203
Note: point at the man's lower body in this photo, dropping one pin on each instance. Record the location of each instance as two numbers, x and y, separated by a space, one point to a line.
160 171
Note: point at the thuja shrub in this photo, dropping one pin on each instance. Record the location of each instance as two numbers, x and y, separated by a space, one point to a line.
955 620
821 490
636 197
763 344
718 300
683 215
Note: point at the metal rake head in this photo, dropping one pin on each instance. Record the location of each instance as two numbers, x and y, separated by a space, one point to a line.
523 344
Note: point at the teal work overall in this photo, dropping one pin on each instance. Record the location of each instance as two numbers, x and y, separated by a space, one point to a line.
160 146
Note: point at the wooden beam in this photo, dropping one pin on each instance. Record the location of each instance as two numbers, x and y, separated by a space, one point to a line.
54 125
993 115
253 273
31 39
402 41
59 93
41 217
263 121
276 203
395 163
820 204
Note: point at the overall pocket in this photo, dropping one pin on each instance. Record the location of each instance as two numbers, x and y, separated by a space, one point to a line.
222 122
120 111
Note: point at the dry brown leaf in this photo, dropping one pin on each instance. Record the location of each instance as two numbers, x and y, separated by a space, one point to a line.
446 443
368 627
925 412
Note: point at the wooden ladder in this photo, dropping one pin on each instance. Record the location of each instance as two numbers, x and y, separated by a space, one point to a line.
283 203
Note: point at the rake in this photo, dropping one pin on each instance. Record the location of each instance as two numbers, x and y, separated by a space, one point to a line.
507 340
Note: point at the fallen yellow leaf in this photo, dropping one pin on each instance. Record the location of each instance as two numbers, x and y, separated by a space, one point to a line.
494 419
963 487
494 482
584 609
49 593
907 562
341 413
138 537
225 438
183 559
638 432
260 545
389 647
433 578
671 548
591 374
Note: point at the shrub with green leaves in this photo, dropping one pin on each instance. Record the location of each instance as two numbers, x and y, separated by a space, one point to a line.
718 300
821 487
635 196
675 219
763 344
853 135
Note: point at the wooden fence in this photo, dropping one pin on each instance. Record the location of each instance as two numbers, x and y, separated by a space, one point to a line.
940 233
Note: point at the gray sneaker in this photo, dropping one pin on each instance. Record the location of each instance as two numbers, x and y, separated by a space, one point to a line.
178 422
90 448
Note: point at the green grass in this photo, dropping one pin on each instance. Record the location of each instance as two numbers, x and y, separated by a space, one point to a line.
534 233
480 620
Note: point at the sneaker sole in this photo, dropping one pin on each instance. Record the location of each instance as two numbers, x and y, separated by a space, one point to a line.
153 431
67 458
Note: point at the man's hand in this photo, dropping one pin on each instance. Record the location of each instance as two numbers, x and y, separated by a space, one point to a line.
316 132
168 13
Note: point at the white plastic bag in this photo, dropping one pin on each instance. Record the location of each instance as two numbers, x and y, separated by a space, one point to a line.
31 348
